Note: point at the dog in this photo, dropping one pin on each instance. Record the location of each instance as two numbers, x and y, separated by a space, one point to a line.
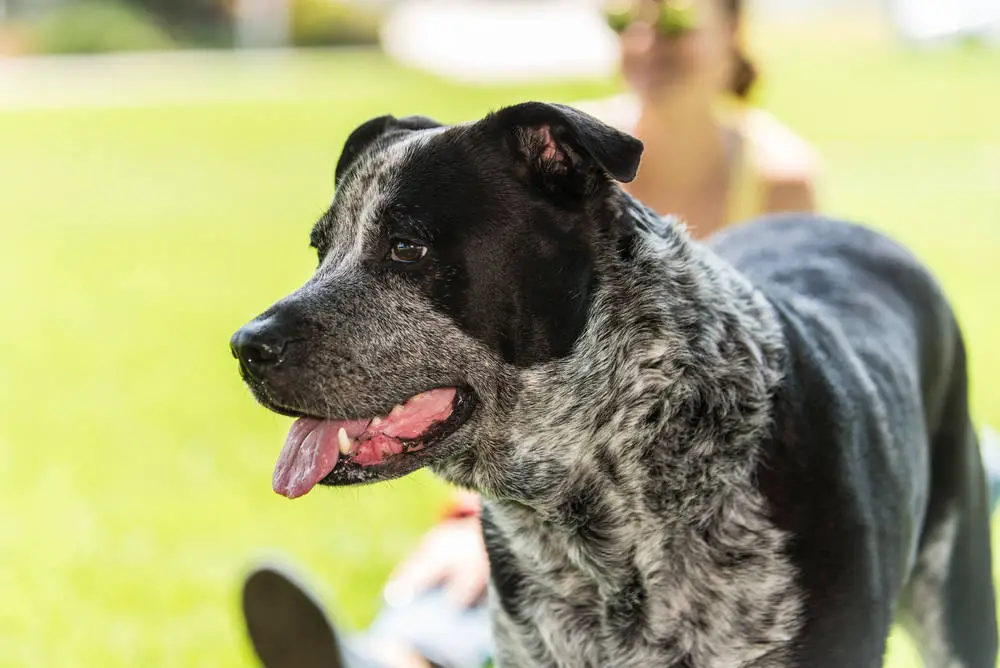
755 452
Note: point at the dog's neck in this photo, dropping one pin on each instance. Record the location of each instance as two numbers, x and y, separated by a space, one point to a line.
626 488
674 372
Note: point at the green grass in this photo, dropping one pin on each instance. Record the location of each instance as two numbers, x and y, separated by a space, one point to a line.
134 466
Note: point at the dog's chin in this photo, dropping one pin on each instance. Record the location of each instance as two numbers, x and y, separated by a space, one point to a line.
268 398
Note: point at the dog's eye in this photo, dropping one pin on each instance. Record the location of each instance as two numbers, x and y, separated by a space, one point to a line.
407 252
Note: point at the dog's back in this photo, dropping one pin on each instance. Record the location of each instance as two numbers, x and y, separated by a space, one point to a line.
872 431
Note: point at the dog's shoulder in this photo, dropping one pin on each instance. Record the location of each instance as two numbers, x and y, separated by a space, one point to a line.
866 331
858 306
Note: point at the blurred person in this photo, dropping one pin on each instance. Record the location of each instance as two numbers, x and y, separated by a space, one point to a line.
710 158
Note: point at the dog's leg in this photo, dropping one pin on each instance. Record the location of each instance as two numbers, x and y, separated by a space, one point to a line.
969 605
950 604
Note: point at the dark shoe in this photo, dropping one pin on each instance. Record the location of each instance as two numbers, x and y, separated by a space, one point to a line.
287 626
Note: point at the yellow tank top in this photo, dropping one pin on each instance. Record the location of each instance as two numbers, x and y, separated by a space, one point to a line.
745 195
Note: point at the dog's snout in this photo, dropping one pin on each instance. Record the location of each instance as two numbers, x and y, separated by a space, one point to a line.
259 346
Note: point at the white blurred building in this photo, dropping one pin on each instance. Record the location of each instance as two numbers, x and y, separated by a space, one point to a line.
500 40
262 23
936 21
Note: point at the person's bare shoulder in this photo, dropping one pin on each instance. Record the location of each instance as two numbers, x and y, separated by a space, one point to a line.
788 166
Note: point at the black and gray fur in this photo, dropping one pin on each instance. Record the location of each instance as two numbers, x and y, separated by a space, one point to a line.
756 453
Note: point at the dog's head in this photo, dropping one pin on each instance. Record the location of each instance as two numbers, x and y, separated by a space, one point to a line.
451 258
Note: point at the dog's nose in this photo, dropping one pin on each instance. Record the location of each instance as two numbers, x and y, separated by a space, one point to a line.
258 346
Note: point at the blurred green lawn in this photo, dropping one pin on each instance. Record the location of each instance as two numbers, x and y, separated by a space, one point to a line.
134 466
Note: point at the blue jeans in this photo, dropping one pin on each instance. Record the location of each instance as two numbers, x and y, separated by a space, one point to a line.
989 445
435 627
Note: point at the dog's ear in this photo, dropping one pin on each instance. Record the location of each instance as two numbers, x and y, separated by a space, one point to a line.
366 133
564 147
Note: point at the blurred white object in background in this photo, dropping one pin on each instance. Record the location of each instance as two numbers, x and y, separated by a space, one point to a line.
479 41
940 21
262 23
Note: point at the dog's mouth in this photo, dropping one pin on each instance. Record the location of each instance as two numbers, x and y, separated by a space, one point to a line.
340 452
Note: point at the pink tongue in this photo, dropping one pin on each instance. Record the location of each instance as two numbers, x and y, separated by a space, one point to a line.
310 453
312 447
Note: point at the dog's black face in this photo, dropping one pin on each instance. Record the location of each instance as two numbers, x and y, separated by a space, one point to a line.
450 258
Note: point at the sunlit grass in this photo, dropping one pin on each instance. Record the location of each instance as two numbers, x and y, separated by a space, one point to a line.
133 241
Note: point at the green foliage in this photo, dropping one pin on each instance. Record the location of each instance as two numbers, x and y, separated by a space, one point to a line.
187 13
96 26
334 22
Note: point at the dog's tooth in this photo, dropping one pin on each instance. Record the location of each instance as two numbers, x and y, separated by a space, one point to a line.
397 410
376 421
344 440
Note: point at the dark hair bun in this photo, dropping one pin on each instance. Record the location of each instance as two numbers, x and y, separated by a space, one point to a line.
744 76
